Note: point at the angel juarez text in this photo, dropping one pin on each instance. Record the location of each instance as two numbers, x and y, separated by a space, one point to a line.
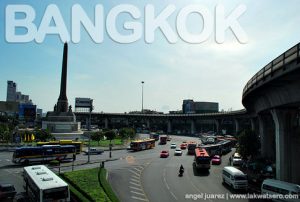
139 24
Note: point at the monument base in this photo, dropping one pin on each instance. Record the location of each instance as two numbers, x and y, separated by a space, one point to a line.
68 136
61 127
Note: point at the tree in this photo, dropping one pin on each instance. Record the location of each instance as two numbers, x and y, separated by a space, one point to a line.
126 133
97 136
249 144
110 135
42 135
5 134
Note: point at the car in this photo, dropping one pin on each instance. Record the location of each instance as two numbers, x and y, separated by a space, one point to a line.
7 191
178 152
164 154
237 159
173 146
94 151
216 160
183 146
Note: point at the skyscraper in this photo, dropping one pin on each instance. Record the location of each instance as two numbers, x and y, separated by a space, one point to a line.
14 96
11 91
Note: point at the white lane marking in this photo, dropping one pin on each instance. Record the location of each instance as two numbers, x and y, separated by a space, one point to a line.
136 177
165 181
135 184
138 174
138 193
139 170
135 180
173 195
138 198
135 188
195 187
8 160
141 167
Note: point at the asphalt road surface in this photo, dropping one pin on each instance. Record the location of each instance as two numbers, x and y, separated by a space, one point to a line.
147 177
142 176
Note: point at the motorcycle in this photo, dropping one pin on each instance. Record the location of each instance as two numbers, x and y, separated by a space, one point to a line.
181 171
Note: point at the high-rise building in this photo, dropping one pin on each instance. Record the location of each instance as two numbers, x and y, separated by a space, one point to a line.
15 96
189 106
11 91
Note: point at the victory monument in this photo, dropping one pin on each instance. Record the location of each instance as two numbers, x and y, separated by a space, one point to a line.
62 121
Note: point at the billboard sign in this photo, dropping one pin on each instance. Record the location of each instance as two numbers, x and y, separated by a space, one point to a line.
83 102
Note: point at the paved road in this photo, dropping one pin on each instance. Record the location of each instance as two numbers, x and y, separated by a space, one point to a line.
154 179
141 176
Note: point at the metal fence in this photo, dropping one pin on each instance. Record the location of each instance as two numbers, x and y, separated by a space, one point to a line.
278 63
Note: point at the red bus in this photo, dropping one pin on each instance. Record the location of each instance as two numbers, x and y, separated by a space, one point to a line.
191 146
139 145
202 159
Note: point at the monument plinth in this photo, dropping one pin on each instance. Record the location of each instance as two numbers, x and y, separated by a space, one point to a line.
61 122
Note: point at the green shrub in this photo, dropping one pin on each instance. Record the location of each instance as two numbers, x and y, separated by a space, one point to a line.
106 186
86 182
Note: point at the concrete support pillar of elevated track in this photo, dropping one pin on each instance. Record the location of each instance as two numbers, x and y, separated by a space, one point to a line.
287 144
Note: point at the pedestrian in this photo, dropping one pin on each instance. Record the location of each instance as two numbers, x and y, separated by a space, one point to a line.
230 159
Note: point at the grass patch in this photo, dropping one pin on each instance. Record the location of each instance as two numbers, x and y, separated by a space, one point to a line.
75 192
106 186
86 182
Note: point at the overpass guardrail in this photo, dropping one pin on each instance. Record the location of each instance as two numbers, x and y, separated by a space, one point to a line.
275 65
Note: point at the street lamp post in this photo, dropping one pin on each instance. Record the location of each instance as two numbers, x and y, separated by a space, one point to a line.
142 96
89 128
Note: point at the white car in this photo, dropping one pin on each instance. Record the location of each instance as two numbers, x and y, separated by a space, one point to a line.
178 152
173 146
237 159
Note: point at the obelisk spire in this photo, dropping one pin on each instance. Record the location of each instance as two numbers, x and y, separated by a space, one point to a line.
62 103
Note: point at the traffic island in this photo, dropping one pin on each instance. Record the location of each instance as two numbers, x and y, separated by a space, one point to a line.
90 185
86 183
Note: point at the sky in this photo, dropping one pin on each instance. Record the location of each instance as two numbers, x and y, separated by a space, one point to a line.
111 72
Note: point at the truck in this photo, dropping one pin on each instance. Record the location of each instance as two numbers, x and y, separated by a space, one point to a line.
163 139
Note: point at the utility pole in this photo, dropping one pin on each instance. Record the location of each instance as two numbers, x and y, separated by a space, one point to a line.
142 96
89 128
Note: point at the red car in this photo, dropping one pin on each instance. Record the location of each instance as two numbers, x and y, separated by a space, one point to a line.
164 154
183 146
216 160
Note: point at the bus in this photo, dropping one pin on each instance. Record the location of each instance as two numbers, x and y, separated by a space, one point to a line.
41 184
191 146
213 149
154 136
139 145
26 155
163 139
202 159
78 145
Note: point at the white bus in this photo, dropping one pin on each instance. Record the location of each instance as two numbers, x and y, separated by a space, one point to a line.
288 191
234 178
41 184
